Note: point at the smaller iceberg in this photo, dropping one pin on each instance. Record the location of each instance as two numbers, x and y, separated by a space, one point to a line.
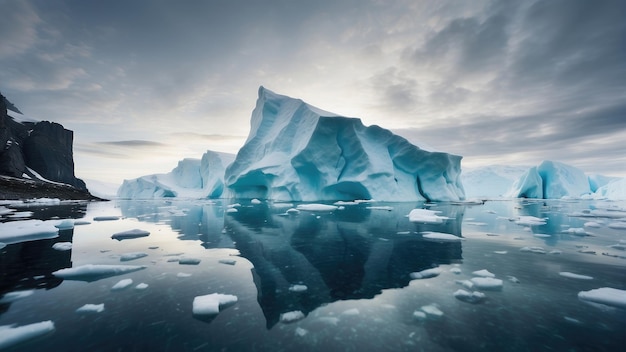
94 272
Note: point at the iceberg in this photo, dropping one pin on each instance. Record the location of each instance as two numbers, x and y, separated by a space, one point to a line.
297 152
211 304
191 178
122 284
551 180
493 181
615 190
606 296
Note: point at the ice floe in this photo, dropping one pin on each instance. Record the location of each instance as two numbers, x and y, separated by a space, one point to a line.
227 261
91 308
426 274
106 218
291 317
575 276
419 315
605 295
456 271
465 283
432 310
301 332
351 311
232 210
483 273
122 284
62 246
440 236
500 252
64 224
27 230
538 250
188 261
487 283
11 335
469 297
426 216
382 207
93 272
141 286
125 257
183 275
298 288
15 295
211 304
135 233
527 220
255 201
316 207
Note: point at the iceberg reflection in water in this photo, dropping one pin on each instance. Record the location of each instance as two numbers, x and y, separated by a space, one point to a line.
362 276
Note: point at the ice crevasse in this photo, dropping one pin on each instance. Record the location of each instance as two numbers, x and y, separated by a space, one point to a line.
298 152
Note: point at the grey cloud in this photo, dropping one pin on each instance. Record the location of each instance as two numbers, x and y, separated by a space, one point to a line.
18 28
207 137
399 90
134 144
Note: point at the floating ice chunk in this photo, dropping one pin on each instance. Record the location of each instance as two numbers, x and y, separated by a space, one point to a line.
298 288
93 272
513 279
440 236
575 276
541 235
487 283
579 231
419 315
106 218
291 317
426 216
465 283
621 225
183 275
65 224
141 286
475 223
473 297
27 230
316 207
62 246
484 273
10 335
15 295
132 256
456 271
592 224
189 261
232 210
211 304
301 332
5 210
538 250
135 233
255 201
555 252
351 311
432 310
91 308
81 222
426 274
527 220
122 284
21 214
227 261
382 207
292 211
235 205
500 252
605 295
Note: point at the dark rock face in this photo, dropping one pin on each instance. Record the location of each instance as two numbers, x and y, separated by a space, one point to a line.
45 147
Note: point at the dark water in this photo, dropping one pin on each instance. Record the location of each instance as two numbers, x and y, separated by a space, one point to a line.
355 263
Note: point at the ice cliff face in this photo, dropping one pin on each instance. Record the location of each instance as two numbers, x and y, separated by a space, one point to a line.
298 152
191 178
551 180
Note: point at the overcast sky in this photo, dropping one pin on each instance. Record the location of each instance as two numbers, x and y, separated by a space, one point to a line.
144 84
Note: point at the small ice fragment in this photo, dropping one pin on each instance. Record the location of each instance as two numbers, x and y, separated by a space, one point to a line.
579 231
617 225
227 261
93 272
316 207
432 310
189 261
541 235
135 233
153 247
465 283
473 297
456 271
183 275
555 251
255 201
15 295
426 216
487 283
62 246
291 317
122 284
11 335
132 256
298 288
484 273
91 308
65 224
530 221
106 218
403 233
210 304
605 295
301 332
388 208
500 252
426 274
440 237
592 224
575 276
351 311
513 279
538 250
171 260
232 210
292 211
419 315
81 222
141 286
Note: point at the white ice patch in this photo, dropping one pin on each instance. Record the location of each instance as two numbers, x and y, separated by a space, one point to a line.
605 295
316 207
484 273
440 236
500 252
62 246
426 216
188 261
183 275
298 288
91 308
426 274
469 297
465 283
419 315
487 283
432 310
122 284
135 233
456 271
93 272
27 230
15 295
382 207
64 224
291 317
141 286
255 201
132 256
232 210
530 221
211 304
575 276
593 224
538 250
11 335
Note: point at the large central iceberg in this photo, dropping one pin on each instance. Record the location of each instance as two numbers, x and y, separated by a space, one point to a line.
298 152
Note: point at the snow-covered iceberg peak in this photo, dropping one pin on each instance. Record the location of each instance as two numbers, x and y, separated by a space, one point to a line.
298 152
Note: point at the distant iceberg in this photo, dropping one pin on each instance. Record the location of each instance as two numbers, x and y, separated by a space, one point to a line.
297 152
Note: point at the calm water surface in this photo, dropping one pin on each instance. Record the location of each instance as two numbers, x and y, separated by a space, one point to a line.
355 263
